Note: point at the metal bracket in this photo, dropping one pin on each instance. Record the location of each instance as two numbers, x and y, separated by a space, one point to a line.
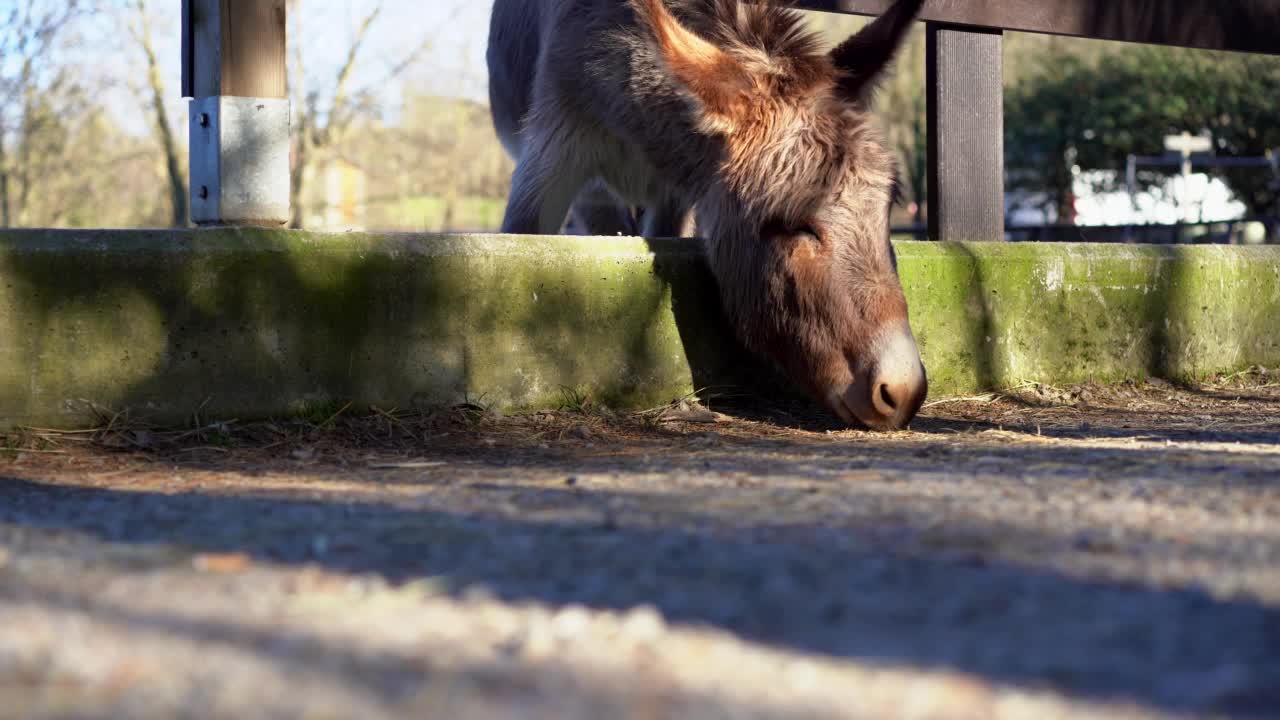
239 160
188 51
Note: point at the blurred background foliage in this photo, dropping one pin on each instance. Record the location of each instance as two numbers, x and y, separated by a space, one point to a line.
1094 109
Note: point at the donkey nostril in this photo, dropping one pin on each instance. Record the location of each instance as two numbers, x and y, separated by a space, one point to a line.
886 397
887 394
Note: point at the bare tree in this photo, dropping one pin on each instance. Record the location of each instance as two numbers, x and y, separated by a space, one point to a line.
138 25
318 125
30 32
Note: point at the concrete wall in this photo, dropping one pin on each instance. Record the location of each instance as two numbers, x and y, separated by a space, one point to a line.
248 323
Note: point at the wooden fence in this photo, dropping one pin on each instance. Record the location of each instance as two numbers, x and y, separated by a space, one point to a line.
965 78
234 69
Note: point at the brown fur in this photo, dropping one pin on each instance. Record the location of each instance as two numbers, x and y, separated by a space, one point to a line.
733 108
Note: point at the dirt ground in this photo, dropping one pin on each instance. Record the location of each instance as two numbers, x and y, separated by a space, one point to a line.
1097 552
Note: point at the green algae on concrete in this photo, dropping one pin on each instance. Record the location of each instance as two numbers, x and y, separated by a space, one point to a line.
250 323
994 315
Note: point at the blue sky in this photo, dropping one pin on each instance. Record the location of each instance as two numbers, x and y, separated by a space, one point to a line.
453 63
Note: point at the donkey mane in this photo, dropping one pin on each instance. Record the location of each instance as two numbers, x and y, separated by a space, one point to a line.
774 28
771 36
791 138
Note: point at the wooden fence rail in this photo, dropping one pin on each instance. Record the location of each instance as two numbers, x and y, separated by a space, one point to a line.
1238 25
965 92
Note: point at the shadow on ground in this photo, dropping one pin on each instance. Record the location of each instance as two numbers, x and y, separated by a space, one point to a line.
846 592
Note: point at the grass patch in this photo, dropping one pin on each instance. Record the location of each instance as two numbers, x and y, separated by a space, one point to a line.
434 213
576 401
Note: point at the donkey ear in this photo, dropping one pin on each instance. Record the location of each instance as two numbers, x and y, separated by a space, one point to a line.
862 58
717 80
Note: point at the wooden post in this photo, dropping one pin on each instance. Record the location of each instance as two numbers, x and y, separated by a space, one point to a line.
965 77
964 70
234 70
1238 25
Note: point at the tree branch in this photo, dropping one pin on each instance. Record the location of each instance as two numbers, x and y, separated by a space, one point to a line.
337 120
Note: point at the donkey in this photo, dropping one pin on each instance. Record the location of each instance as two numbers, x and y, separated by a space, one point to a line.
733 111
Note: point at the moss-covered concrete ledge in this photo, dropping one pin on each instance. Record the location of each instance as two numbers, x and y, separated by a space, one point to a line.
250 323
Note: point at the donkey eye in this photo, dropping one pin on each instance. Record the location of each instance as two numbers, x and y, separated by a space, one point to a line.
791 234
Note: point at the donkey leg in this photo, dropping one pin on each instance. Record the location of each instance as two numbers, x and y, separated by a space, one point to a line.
542 189
597 211
670 218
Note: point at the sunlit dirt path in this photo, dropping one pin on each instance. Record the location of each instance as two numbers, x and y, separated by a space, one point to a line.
1045 554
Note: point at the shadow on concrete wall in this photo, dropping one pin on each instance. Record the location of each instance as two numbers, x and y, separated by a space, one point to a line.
1182 291
1176 313
246 331
982 339
1165 303
724 372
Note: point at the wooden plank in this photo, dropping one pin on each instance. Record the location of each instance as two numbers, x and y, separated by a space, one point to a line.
234 48
966 134
1238 25
253 48
239 120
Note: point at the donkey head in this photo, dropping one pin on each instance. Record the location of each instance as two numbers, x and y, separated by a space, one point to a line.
796 215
